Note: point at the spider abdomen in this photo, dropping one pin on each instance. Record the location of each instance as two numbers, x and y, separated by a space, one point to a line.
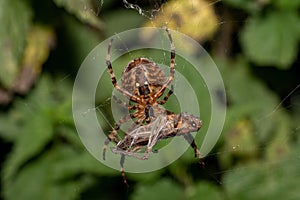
142 77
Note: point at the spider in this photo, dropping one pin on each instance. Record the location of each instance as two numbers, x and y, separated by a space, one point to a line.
164 126
142 82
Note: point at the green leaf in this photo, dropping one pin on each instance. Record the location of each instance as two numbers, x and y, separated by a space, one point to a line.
162 189
254 117
279 146
39 41
273 40
242 137
248 5
72 162
15 17
284 4
35 128
35 119
126 19
38 180
34 136
77 42
274 180
47 157
205 190
83 10
248 97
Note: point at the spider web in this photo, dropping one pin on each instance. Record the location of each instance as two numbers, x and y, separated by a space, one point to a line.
238 162
149 10
290 101
145 8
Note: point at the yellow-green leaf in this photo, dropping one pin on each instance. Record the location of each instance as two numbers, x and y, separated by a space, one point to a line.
15 18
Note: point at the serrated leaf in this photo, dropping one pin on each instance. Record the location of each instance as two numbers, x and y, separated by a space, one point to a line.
273 40
83 10
35 119
72 162
55 172
15 18
35 130
35 135
37 180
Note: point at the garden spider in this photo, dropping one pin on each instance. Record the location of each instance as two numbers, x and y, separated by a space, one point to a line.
142 82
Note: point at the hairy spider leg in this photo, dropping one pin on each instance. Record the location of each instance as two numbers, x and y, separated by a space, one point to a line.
165 99
113 134
123 104
113 77
132 152
172 67
122 169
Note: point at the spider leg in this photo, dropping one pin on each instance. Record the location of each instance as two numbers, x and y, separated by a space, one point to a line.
123 104
172 67
113 134
113 77
131 152
122 160
144 157
139 121
161 102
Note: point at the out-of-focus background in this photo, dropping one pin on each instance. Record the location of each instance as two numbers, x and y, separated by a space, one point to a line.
255 44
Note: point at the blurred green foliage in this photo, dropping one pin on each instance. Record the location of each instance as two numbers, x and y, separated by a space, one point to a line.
257 155
13 37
